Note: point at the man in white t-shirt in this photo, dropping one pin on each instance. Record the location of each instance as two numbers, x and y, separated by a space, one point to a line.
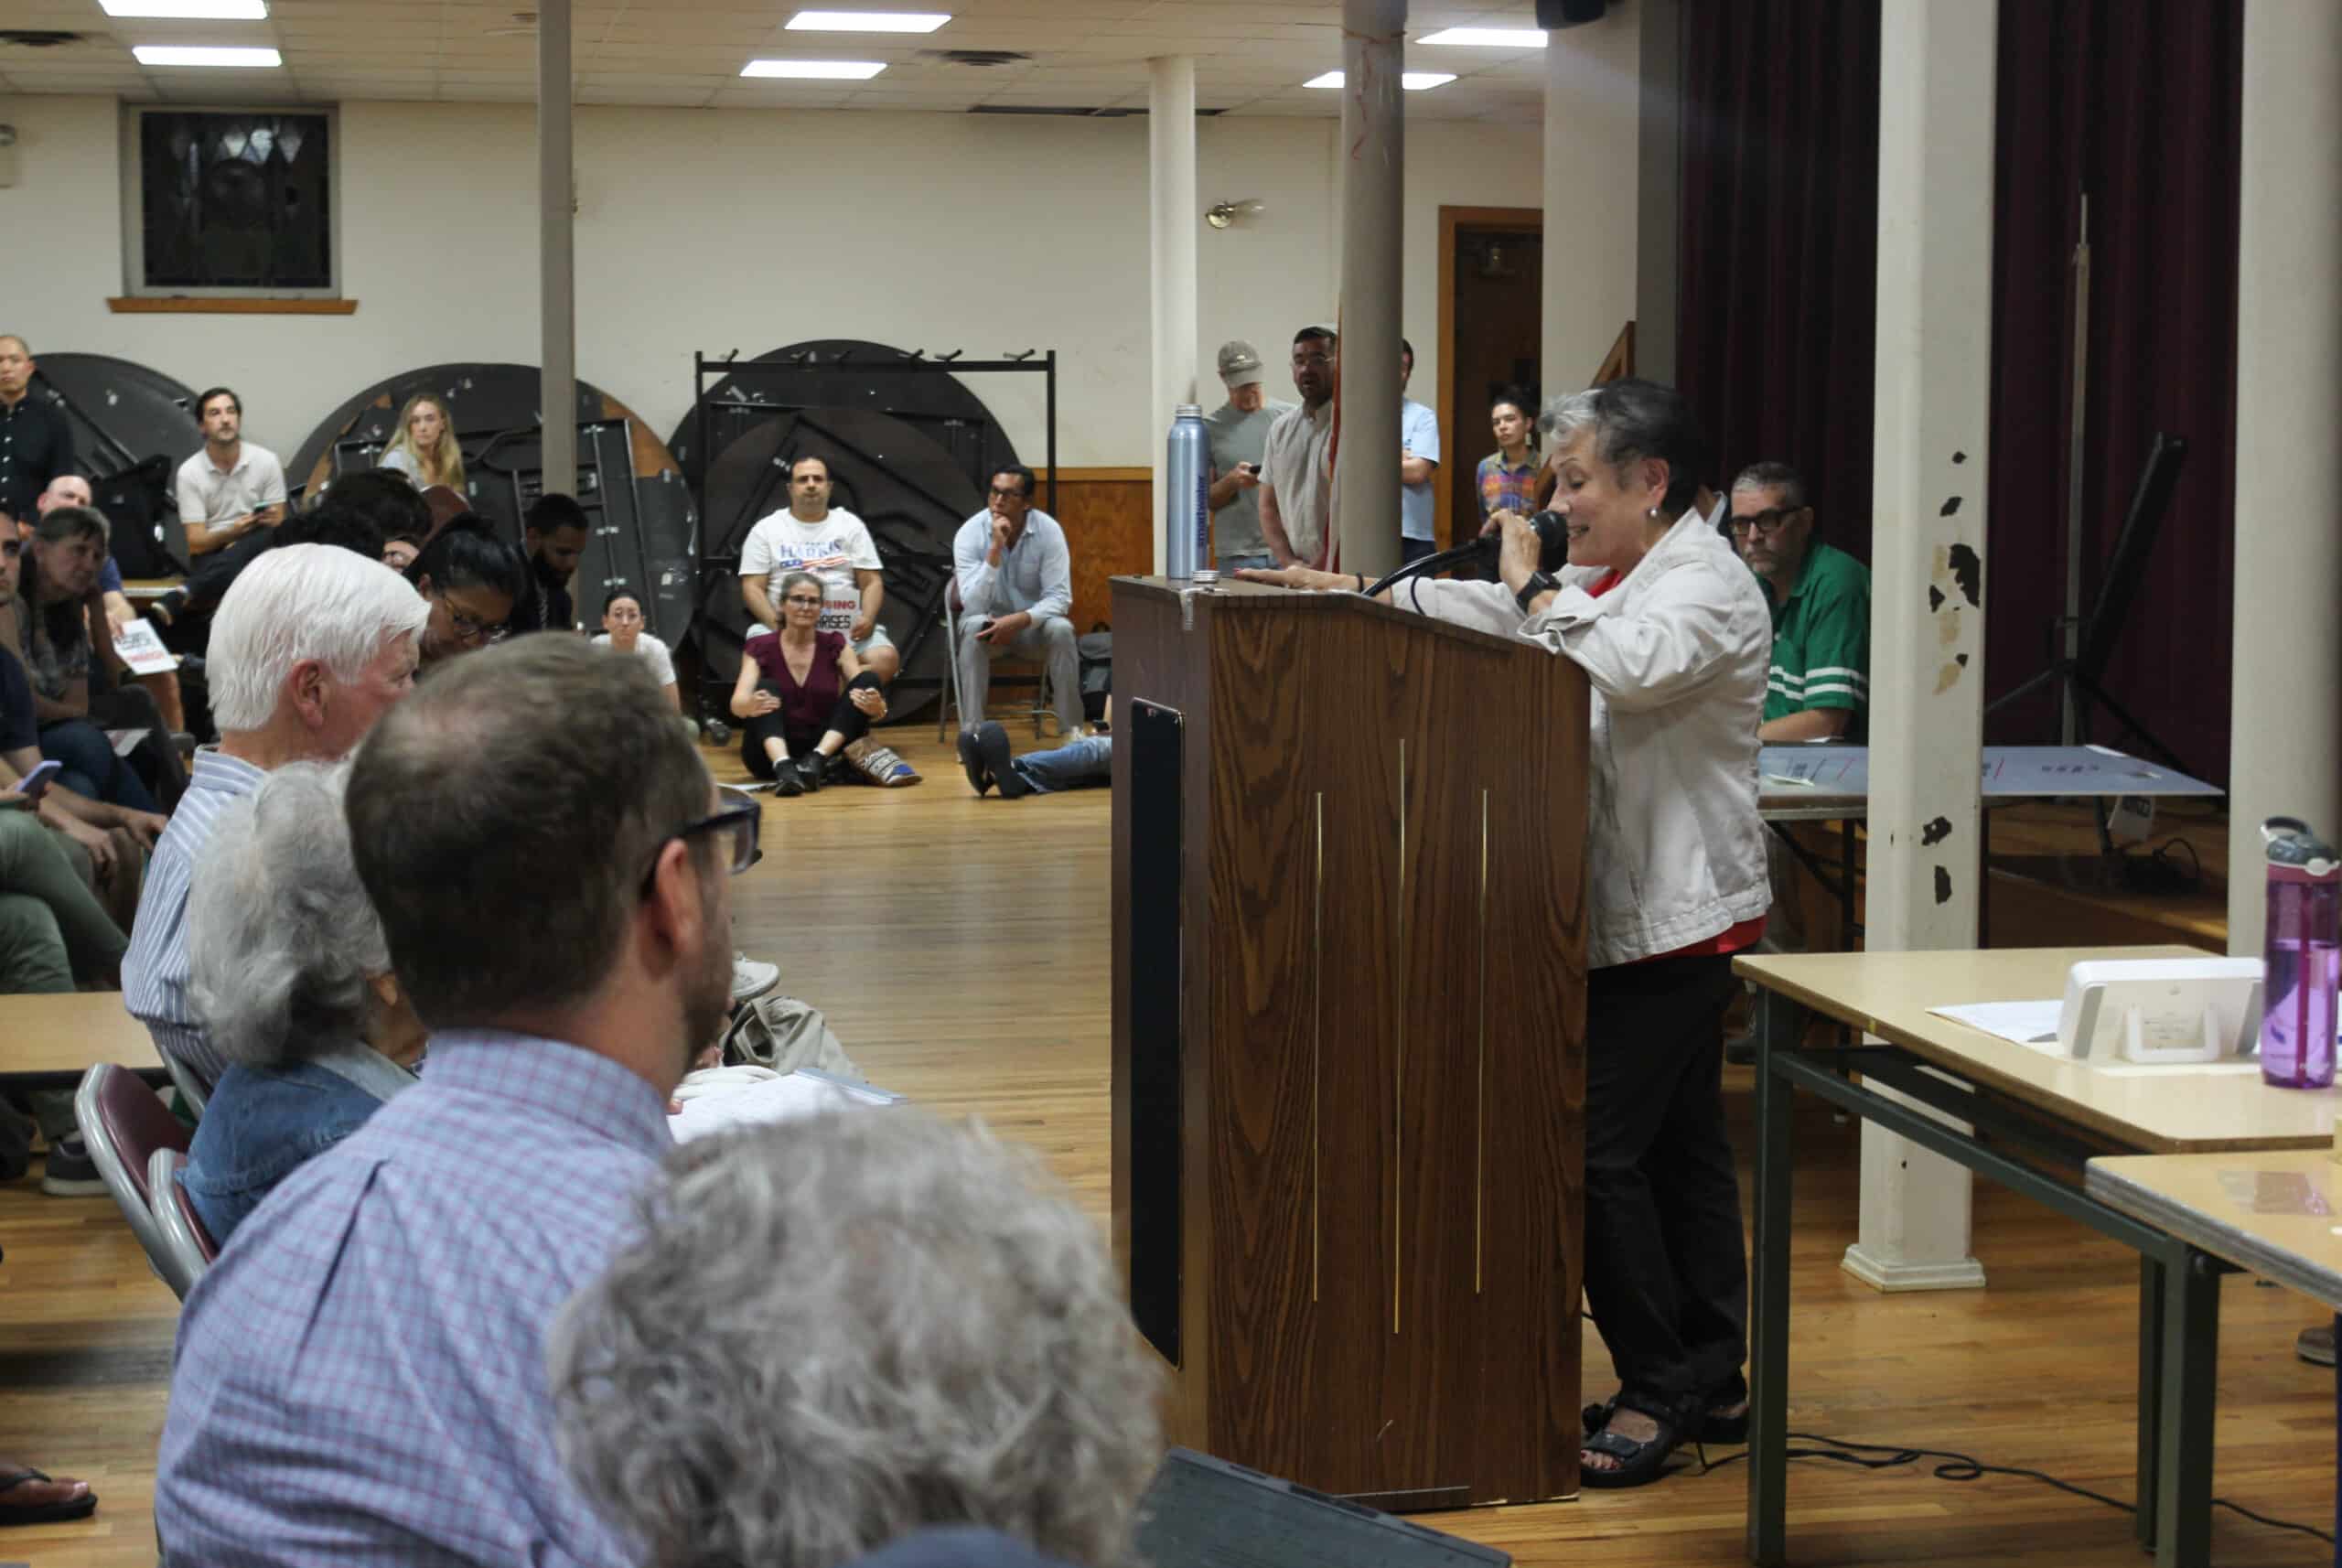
232 487
623 632
835 546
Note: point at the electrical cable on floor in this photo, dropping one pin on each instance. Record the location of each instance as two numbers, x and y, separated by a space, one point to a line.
1960 1467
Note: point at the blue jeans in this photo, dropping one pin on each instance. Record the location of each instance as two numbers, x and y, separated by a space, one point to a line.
90 769
1076 765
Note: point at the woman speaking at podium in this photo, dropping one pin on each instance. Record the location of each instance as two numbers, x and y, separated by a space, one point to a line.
1673 634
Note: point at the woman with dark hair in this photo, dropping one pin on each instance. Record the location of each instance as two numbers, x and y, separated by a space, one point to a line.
472 579
802 695
1674 636
60 568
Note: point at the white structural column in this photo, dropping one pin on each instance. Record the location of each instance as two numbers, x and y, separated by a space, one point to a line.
1935 337
556 249
1371 159
1171 164
2285 723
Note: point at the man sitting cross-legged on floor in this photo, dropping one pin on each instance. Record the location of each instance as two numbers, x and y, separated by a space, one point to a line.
360 1378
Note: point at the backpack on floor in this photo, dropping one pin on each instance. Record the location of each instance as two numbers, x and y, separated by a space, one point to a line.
784 1033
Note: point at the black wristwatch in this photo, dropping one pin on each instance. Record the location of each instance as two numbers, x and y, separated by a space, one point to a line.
1538 582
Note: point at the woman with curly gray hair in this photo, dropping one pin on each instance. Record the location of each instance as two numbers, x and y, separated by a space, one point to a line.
832 1333
291 974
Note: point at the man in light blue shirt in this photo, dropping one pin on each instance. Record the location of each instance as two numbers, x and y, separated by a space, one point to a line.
1014 578
1418 467
360 1377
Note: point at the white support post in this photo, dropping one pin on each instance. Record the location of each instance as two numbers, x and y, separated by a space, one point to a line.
1171 163
556 250
1372 159
1935 334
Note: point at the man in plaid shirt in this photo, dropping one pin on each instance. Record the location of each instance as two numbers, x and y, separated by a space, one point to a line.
360 1377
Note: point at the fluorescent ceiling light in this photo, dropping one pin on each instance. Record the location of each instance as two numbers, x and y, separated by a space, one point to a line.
817 70
867 21
1487 37
1413 80
179 54
190 10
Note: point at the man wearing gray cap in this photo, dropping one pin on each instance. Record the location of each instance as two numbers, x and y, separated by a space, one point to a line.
1239 432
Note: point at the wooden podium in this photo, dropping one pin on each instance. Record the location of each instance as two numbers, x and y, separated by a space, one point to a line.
1349 1069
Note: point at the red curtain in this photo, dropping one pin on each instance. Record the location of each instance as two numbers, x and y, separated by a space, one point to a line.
2136 103
1780 241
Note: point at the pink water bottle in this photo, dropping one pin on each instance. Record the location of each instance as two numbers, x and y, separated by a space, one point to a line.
2304 955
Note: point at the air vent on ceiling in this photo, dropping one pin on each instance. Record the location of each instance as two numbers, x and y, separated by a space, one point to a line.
37 38
977 57
1076 111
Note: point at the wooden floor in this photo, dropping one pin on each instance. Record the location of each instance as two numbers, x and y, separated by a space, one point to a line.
959 948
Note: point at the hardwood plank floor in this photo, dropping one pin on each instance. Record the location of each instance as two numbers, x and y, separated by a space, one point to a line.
961 949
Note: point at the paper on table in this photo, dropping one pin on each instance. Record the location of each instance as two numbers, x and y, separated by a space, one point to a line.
2033 1024
143 649
784 1099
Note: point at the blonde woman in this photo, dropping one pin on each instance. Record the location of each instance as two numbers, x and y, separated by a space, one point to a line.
424 449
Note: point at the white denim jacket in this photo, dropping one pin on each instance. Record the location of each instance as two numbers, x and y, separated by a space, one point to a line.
1676 655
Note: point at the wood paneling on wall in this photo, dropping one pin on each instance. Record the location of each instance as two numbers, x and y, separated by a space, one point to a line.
1108 519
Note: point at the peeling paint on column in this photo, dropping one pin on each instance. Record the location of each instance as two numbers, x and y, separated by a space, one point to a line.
1948 626
1960 457
1969 570
1960 659
1947 678
1935 598
1943 886
1950 507
1936 832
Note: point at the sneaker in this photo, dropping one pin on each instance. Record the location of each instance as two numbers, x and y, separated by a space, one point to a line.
979 777
808 772
992 746
786 780
2316 1345
882 765
71 1173
751 979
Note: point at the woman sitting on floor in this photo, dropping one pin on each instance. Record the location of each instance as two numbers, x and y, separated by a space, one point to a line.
290 970
802 696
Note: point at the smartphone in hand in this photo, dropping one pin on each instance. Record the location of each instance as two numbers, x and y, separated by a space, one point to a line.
33 785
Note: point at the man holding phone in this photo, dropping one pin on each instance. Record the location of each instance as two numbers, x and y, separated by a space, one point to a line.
1238 431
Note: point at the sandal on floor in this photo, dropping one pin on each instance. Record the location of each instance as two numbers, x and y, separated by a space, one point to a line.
1714 1425
81 1507
1640 1462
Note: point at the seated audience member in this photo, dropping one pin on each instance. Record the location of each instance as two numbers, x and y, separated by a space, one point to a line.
310 646
1078 763
1819 685
552 868
1016 582
811 535
400 550
802 696
553 536
289 971
362 511
53 933
622 632
72 490
231 501
471 579
56 578
424 449
834 1332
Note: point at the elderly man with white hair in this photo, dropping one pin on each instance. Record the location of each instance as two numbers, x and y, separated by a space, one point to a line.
829 1335
309 647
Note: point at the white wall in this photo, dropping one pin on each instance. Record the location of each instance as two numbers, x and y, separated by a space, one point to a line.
724 230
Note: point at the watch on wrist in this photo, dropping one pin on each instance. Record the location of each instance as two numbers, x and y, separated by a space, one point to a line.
1538 582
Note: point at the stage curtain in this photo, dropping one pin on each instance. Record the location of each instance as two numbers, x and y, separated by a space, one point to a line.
2137 103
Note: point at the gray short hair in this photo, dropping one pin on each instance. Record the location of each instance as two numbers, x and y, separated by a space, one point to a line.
61 523
1634 420
504 818
280 939
301 602
1774 476
833 1332
793 578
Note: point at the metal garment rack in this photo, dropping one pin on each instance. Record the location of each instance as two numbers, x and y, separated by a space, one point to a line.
844 366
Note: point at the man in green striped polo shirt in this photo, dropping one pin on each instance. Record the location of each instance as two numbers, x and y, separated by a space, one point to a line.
1818 686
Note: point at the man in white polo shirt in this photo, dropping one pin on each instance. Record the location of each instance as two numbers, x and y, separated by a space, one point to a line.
230 499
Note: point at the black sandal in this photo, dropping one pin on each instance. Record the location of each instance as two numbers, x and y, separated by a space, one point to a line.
1714 1425
1640 1460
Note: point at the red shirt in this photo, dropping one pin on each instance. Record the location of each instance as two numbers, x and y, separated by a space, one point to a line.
1747 934
804 709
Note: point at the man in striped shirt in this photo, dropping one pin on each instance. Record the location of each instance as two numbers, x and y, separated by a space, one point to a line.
1818 686
310 645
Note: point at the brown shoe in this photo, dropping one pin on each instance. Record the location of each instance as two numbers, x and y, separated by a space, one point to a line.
2316 1345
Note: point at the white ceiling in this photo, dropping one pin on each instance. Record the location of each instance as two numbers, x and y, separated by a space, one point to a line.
1250 58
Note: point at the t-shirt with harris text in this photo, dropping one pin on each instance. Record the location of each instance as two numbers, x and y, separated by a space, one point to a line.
833 549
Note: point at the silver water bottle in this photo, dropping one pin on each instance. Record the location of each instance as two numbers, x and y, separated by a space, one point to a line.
1186 506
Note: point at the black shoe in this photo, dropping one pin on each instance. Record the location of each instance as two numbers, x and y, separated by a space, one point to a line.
808 772
786 780
992 748
69 1171
972 762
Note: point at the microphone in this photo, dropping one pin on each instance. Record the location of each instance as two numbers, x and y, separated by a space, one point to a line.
1553 553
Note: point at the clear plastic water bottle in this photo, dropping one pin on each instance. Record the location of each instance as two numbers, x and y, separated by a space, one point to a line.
1187 508
2303 952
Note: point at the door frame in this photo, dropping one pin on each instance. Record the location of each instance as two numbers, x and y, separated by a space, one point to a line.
1451 219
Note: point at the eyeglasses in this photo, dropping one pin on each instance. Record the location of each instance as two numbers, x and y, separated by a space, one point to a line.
1767 522
471 629
735 829
1006 493
1321 361
803 600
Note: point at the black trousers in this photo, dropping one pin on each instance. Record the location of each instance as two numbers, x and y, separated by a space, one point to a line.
1666 1273
845 718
